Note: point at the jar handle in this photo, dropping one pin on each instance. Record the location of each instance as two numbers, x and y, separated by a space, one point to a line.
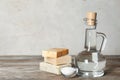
104 40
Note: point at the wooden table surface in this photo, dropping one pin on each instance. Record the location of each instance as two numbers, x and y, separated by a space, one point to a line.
27 68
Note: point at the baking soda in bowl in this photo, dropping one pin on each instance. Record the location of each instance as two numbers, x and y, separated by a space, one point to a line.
69 71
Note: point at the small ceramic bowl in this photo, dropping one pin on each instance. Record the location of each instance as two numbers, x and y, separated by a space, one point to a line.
69 71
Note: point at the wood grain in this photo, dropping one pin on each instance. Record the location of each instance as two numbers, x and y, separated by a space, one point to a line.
27 68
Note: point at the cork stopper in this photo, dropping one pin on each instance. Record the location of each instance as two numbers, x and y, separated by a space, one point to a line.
91 18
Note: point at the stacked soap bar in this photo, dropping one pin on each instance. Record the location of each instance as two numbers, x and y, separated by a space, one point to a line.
54 59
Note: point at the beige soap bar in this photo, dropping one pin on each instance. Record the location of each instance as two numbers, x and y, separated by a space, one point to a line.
55 52
52 68
60 60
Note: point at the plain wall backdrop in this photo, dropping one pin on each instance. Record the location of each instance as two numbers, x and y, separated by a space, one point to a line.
29 26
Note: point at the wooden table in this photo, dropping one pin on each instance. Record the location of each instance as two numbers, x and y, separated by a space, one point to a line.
27 68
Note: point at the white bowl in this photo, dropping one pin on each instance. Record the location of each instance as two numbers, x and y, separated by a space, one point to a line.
69 71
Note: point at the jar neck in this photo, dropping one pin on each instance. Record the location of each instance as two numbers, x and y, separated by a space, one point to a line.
90 39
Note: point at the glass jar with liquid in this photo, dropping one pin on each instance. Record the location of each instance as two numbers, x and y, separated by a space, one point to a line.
90 62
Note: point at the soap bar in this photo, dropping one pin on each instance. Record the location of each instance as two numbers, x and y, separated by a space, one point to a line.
52 68
60 60
55 52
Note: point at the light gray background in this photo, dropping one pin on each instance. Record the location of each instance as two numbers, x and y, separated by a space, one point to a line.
29 26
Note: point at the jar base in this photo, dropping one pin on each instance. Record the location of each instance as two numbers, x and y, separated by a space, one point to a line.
91 73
